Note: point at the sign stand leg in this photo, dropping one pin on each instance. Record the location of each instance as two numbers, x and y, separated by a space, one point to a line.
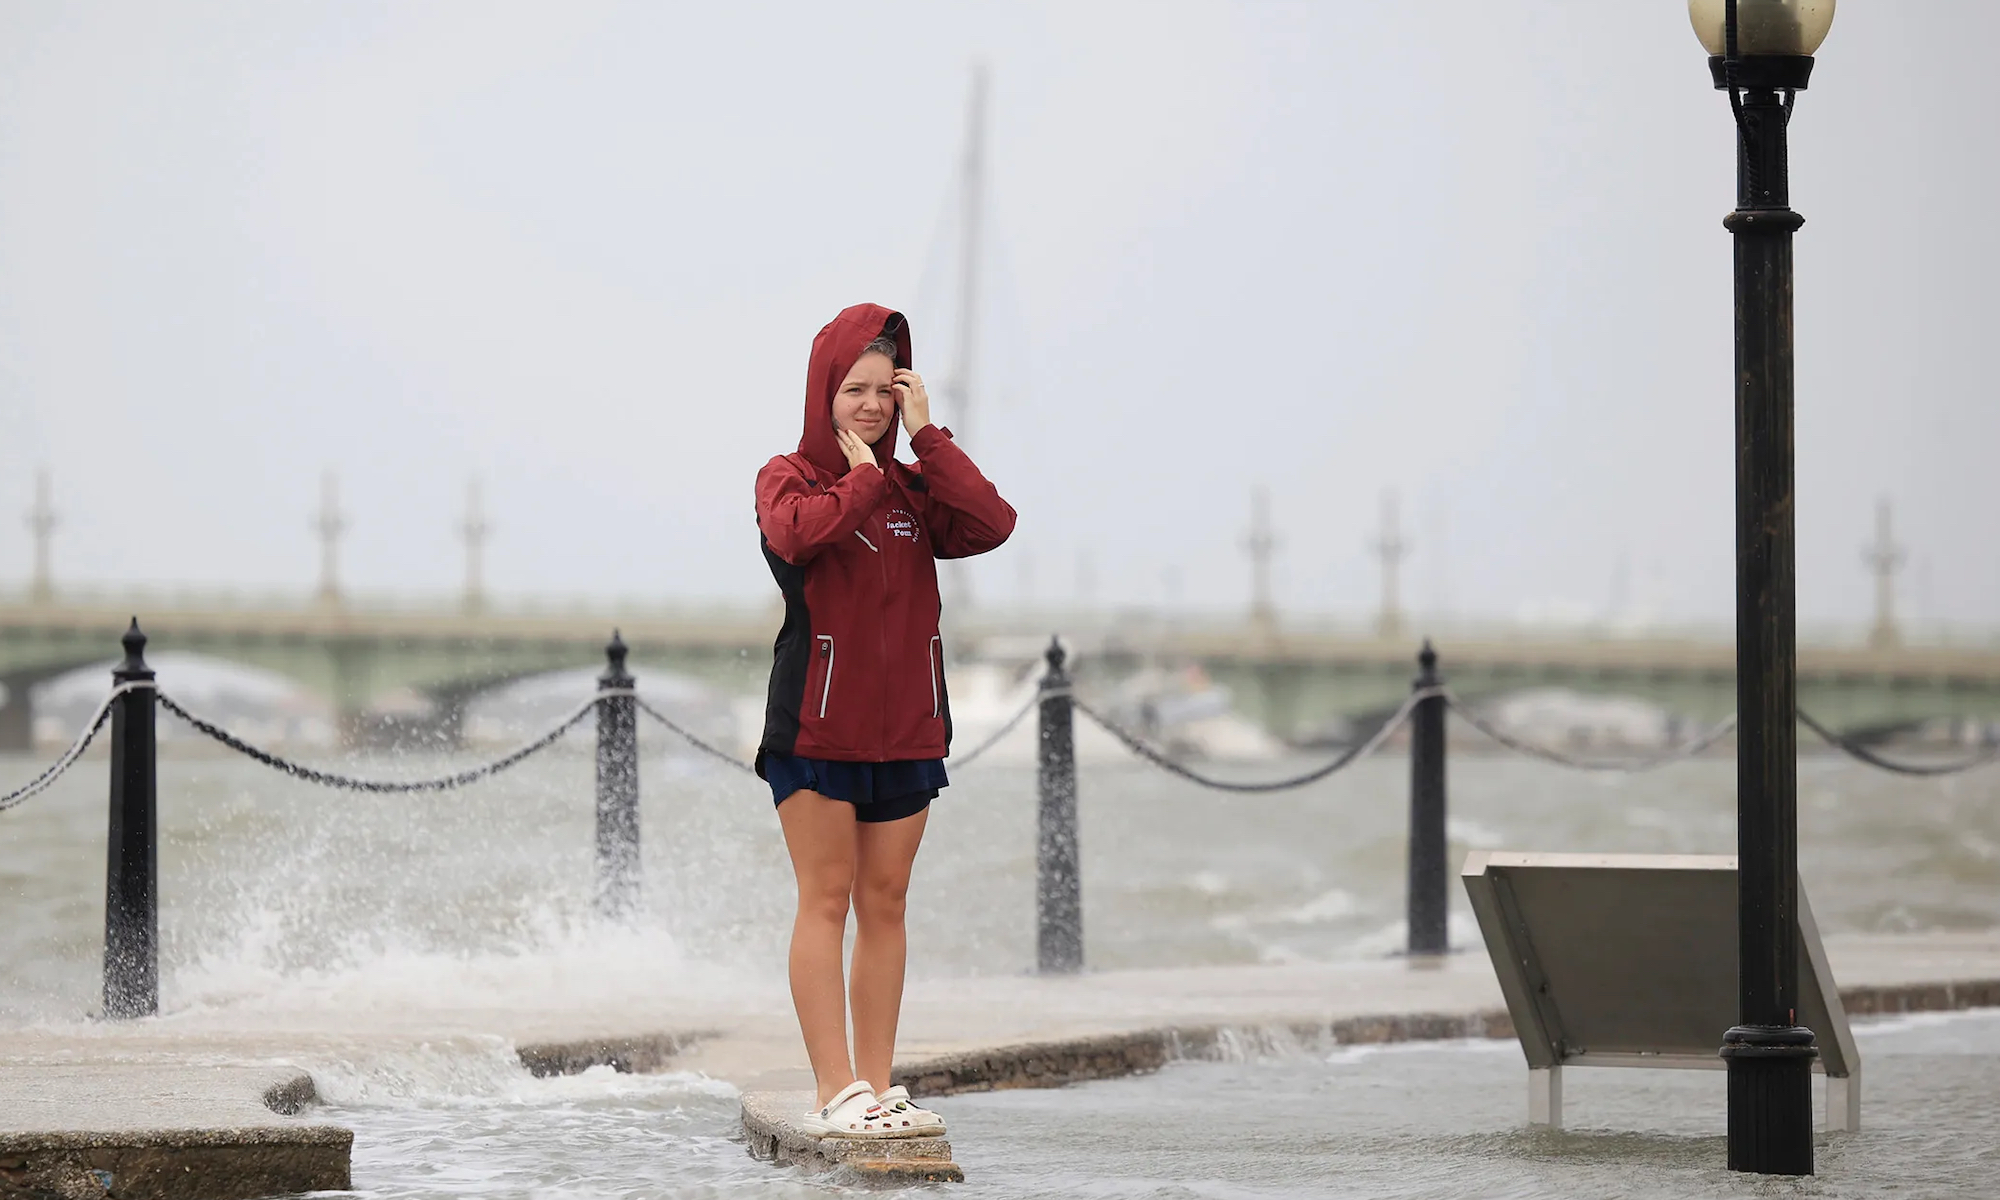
1545 1096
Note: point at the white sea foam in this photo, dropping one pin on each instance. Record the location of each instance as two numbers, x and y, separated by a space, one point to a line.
555 966
1348 1055
1209 883
1886 1025
1469 832
478 1073
1327 906
1461 930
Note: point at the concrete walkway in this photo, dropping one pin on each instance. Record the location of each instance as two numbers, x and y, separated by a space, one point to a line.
168 1130
947 1021
191 1082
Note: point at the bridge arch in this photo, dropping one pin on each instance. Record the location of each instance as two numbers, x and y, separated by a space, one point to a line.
1290 697
18 686
260 703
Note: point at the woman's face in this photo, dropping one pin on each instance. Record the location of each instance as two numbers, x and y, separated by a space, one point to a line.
866 401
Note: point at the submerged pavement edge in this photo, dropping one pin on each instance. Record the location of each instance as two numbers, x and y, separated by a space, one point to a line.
156 1119
153 1131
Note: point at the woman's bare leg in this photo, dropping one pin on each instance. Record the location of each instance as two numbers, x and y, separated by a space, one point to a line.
875 984
820 835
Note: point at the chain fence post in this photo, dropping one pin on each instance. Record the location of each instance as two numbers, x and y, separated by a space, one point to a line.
1429 905
1058 885
617 787
131 885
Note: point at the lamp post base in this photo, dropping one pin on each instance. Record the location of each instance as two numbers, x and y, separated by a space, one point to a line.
1770 1099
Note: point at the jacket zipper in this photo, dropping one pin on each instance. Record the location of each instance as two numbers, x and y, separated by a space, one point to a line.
826 677
882 657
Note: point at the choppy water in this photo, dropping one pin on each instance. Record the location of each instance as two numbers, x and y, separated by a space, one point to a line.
274 891
267 882
1438 1120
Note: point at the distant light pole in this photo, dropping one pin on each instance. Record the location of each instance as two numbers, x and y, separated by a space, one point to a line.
1392 550
42 523
1761 54
475 530
329 525
1885 558
1261 543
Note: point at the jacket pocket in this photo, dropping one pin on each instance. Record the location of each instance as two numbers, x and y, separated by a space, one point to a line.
819 686
937 676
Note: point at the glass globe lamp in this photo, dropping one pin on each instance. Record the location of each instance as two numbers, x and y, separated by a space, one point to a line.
1775 39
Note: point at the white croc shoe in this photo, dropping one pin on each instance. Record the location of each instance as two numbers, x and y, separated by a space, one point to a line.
905 1115
852 1113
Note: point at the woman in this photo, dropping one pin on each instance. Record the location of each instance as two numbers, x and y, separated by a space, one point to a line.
858 724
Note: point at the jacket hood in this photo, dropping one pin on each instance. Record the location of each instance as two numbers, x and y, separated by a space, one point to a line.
834 354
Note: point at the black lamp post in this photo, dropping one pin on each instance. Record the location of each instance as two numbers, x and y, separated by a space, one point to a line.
1761 54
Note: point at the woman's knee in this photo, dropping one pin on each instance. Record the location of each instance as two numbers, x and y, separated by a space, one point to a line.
880 902
823 896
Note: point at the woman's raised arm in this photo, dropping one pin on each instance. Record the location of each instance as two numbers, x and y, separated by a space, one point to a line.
966 514
798 516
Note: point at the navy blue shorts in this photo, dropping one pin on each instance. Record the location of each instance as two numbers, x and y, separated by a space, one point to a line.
879 791
887 791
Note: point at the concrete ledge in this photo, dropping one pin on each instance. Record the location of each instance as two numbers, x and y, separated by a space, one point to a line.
1040 1064
174 1166
1111 1056
1921 997
770 1128
641 1054
183 1133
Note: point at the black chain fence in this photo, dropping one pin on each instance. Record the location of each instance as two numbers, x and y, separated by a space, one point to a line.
1856 750
687 735
351 783
999 735
1681 753
1138 744
76 749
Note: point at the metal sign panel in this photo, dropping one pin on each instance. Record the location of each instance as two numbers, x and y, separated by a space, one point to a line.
1629 960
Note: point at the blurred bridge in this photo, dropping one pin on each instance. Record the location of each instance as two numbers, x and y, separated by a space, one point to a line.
1307 676
355 655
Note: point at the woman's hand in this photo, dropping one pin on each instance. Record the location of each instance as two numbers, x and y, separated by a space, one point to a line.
856 450
915 401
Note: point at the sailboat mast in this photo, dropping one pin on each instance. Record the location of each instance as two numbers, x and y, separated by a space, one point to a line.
972 186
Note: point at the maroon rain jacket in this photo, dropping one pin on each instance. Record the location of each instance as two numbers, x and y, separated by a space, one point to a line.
858 669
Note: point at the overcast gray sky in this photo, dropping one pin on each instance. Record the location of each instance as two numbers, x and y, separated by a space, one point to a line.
1469 251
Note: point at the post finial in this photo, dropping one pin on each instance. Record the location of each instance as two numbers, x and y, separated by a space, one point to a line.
1055 654
134 666
1427 662
615 674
